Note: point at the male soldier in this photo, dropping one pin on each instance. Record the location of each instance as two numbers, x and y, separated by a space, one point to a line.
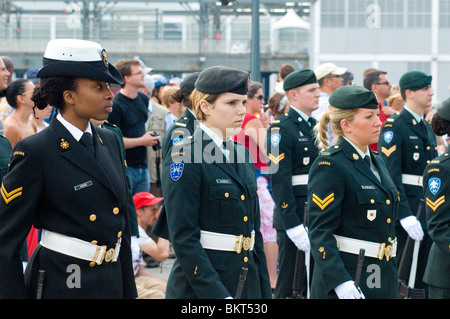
408 144
291 151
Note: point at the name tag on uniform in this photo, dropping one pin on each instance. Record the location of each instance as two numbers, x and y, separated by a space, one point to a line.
413 138
83 185
367 187
223 181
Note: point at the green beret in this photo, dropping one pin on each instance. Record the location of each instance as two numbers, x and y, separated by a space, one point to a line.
353 97
444 110
187 84
221 79
299 78
414 80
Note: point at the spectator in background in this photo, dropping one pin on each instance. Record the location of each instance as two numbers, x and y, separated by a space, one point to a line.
278 104
148 286
396 102
284 70
5 108
160 81
348 78
172 106
155 123
130 113
19 124
330 78
5 145
377 82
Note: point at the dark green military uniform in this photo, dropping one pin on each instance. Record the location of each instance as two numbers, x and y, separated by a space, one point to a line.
291 152
351 206
182 128
212 196
408 146
5 155
345 198
436 188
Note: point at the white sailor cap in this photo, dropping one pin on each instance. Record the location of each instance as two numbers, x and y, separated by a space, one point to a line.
78 58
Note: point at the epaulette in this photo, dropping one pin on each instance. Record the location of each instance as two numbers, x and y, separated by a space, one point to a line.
106 123
441 158
331 150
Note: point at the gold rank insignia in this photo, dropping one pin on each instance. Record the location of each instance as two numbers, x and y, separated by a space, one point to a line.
434 205
276 159
388 151
284 205
322 251
9 196
322 203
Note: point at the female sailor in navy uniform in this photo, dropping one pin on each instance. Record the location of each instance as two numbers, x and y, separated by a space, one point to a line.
352 203
211 198
73 190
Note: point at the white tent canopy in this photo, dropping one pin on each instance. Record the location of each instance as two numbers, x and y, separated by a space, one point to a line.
291 21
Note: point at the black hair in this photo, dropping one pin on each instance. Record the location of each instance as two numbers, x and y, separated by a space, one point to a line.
50 91
440 125
15 89
182 97
372 78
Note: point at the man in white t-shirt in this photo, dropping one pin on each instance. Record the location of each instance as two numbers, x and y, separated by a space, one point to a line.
148 208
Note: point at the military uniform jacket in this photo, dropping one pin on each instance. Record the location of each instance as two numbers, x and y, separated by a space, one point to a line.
56 185
436 186
345 198
5 155
203 192
290 151
182 128
407 147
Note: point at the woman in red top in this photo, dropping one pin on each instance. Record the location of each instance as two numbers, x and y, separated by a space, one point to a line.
253 136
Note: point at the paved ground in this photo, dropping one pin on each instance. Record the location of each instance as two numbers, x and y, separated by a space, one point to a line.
163 270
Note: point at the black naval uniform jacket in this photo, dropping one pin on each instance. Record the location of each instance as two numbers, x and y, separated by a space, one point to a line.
436 186
5 155
345 198
407 148
204 192
290 151
54 184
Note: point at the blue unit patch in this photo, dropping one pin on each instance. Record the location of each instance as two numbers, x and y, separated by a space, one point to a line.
176 170
176 140
388 136
434 184
275 139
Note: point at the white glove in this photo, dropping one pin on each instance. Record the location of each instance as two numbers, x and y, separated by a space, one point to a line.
412 227
347 290
299 236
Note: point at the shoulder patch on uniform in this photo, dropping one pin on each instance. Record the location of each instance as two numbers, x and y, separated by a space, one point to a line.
324 163
20 153
275 138
434 185
176 171
388 136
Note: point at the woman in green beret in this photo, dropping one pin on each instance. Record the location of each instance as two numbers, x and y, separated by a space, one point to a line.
211 198
436 186
352 203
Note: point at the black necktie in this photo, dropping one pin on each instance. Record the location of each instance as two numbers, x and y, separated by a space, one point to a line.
312 121
229 145
367 160
88 142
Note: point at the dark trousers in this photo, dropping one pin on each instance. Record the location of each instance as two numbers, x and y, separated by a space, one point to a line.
287 252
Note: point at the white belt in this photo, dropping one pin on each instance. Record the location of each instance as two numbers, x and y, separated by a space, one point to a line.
78 248
415 180
225 242
300 180
374 250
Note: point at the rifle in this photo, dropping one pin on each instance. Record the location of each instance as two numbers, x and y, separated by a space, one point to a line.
359 267
298 283
405 291
242 279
